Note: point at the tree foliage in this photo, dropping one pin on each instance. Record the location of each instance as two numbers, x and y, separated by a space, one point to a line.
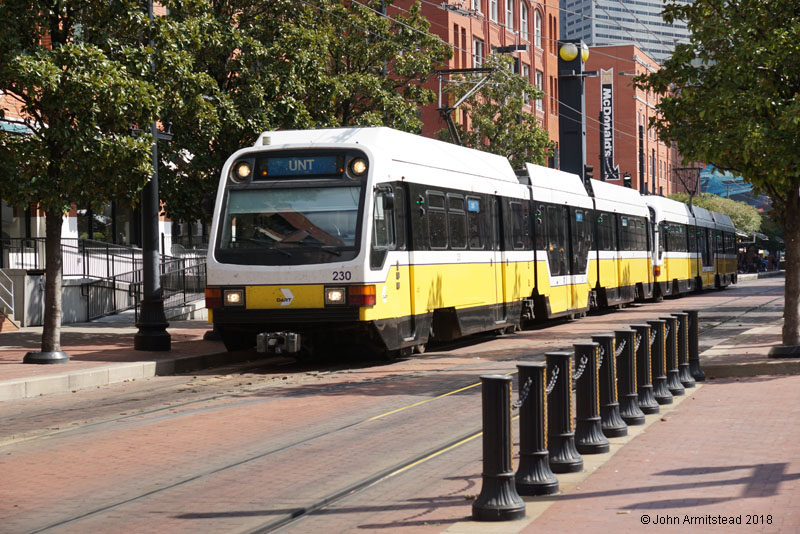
496 119
744 216
732 99
78 73
79 99
284 64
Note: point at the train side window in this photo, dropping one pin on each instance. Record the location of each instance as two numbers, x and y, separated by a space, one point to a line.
605 231
539 228
557 240
401 217
383 226
519 231
475 223
457 221
624 233
691 238
581 239
437 220
494 224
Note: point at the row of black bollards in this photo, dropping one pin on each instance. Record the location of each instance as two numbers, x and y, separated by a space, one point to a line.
618 379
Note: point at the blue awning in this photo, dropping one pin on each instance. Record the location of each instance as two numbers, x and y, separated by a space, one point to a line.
14 127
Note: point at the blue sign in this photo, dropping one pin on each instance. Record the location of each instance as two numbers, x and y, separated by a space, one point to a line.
473 204
302 166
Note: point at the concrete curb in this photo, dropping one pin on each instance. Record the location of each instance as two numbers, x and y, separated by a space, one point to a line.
774 367
104 375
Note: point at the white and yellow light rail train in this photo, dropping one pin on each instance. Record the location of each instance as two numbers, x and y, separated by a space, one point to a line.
375 237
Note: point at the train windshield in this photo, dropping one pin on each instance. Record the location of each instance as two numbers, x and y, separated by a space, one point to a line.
290 226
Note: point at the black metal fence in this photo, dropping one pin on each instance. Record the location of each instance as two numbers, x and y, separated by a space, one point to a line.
183 280
83 258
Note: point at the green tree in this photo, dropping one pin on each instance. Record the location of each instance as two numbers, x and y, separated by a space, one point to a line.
497 123
78 75
732 98
284 64
744 216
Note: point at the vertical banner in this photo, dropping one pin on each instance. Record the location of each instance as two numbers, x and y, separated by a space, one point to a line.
607 169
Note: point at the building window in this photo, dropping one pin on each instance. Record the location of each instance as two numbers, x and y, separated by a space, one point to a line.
493 10
540 85
523 21
537 28
526 73
510 22
455 45
555 98
476 5
477 53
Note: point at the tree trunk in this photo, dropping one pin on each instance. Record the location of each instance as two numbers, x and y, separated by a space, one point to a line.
791 310
51 333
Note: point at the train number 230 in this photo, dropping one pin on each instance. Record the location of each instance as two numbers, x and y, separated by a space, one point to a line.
341 275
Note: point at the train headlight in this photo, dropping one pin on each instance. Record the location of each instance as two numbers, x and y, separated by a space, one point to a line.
241 172
358 166
233 297
335 296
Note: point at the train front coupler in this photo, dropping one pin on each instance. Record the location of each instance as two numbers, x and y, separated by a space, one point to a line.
278 342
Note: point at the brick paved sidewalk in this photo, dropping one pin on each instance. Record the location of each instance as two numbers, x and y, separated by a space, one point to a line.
729 451
100 353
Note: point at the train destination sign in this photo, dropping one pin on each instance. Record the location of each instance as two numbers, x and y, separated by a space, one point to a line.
300 166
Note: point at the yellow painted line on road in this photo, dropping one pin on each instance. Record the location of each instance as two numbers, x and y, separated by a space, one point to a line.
437 453
428 400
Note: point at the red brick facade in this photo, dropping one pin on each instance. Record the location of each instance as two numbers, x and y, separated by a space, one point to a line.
632 108
469 25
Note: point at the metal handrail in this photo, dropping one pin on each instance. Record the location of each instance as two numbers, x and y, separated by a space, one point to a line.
7 302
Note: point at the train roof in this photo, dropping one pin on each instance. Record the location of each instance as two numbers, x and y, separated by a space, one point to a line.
399 146
703 217
669 210
557 187
723 221
617 199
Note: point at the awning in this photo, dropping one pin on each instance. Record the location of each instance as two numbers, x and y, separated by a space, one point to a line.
14 127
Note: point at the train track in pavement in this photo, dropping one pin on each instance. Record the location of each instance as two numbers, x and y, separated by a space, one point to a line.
345 490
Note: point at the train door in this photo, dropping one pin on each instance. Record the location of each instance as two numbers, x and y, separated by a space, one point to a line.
580 243
651 239
498 259
559 293
607 254
390 243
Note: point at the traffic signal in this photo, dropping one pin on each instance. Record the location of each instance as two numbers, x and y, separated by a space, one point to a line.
587 172
626 180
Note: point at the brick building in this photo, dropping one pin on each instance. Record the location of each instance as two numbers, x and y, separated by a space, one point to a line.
476 27
637 149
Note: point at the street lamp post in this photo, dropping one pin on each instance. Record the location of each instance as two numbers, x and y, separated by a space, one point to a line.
152 322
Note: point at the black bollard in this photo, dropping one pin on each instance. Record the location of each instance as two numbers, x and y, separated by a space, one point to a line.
610 420
534 476
694 346
671 356
683 350
589 438
626 365
498 500
564 457
644 369
658 360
